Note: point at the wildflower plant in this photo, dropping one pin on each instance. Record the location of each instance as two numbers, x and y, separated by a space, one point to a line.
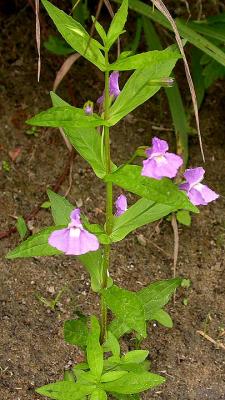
106 371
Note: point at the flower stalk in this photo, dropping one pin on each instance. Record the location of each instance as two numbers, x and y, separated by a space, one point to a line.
109 204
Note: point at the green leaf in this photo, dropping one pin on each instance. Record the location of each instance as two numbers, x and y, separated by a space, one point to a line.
94 349
193 37
36 245
65 390
162 191
163 318
134 383
66 117
127 307
135 356
157 294
140 60
87 142
99 28
112 376
68 376
97 230
112 344
141 213
77 37
76 331
117 24
216 31
57 46
21 227
60 208
212 72
184 217
136 90
98 394
93 262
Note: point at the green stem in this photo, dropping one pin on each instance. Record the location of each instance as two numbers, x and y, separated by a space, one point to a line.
109 205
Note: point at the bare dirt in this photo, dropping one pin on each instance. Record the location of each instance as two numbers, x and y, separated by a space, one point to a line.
32 350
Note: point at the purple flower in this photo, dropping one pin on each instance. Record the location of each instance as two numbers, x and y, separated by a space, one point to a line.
160 163
74 240
121 205
88 107
114 89
198 193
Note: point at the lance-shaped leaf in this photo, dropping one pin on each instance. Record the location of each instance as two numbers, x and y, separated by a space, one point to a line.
98 394
141 213
117 24
87 142
60 208
94 349
162 191
153 298
134 383
163 318
127 307
77 37
66 390
135 356
112 345
137 89
157 295
141 60
66 117
36 245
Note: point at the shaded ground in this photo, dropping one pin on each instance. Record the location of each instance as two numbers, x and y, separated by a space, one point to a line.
32 351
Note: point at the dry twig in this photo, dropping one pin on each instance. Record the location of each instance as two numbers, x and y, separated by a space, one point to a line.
211 340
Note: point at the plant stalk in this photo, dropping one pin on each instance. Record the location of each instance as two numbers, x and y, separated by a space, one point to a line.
109 205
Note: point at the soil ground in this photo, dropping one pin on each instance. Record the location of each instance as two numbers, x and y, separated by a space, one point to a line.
32 350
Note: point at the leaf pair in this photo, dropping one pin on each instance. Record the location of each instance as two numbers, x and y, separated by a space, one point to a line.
132 310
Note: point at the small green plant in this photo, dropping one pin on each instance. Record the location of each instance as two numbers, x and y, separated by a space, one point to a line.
52 303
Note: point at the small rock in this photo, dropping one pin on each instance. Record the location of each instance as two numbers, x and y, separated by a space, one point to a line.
51 290
141 240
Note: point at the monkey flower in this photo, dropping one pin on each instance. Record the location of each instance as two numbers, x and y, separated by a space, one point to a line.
160 163
121 205
198 193
74 240
114 89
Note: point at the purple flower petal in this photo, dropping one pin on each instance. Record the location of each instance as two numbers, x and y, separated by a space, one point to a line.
198 193
81 242
74 240
121 205
114 84
162 166
174 163
160 163
114 89
194 175
88 108
59 239
159 148
201 195
75 218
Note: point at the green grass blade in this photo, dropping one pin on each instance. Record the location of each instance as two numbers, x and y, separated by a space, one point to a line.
185 31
